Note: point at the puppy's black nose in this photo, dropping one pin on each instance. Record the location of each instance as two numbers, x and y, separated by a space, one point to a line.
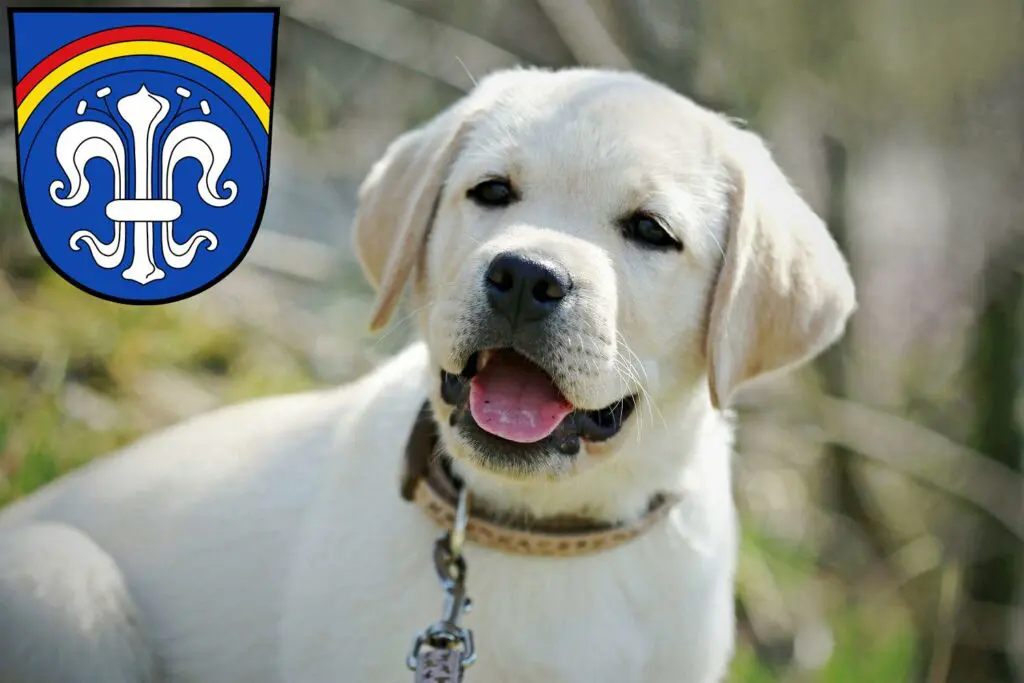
525 290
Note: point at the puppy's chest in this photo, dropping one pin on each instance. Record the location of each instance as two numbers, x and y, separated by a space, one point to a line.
607 618
569 620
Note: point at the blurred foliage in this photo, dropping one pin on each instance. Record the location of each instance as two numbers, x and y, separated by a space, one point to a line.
878 58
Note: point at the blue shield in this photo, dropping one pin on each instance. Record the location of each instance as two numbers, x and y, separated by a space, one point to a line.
143 143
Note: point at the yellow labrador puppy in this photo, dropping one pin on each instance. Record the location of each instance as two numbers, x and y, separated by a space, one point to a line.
595 264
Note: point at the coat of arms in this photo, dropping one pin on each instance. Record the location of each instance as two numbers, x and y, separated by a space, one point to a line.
143 143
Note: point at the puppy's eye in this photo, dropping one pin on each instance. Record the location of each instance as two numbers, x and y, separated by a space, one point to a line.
493 193
647 231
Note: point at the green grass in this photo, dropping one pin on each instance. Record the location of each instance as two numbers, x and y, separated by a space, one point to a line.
872 637
858 655
60 349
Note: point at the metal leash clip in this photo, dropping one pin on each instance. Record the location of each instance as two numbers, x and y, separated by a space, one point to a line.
445 649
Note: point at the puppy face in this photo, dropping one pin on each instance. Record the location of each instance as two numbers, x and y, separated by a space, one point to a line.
570 236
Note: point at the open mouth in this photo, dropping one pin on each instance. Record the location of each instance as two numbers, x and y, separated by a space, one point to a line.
502 395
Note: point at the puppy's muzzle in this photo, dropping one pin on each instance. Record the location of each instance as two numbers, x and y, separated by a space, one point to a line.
513 398
525 290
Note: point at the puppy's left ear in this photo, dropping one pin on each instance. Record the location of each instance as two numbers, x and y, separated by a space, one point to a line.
784 292
397 202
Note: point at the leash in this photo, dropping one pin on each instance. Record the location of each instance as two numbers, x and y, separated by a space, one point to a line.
444 650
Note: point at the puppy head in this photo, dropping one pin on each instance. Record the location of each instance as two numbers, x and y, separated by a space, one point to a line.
587 247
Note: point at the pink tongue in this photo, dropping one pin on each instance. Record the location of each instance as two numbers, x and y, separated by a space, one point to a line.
514 399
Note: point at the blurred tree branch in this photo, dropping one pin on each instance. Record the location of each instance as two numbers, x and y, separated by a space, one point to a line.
926 456
581 30
406 38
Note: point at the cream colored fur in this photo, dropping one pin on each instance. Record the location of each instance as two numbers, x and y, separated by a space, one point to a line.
267 542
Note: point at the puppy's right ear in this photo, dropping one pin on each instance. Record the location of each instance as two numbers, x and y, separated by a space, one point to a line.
397 202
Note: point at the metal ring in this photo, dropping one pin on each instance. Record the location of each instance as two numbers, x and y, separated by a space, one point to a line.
450 637
450 567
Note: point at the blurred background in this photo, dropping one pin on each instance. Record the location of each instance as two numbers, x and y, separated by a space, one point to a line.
881 488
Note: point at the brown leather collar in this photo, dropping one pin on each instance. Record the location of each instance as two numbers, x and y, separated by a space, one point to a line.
428 482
